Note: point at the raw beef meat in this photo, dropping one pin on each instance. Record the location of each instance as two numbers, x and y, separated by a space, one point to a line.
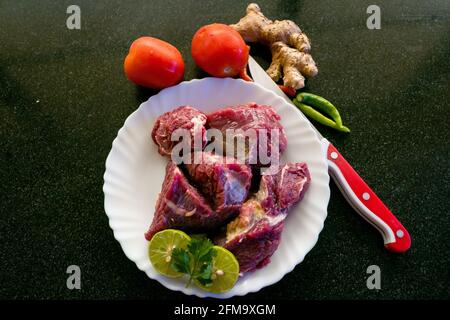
250 116
180 206
278 192
255 234
184 117
215 188
222 180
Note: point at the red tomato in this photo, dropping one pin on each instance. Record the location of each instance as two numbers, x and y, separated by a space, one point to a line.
219 50
154 63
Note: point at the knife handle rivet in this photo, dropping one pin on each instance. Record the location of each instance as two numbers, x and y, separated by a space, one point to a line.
334 155
400 233
366 196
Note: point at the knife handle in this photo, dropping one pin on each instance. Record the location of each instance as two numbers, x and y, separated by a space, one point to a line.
366 202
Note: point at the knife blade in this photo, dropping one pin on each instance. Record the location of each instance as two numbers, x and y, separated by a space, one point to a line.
356 191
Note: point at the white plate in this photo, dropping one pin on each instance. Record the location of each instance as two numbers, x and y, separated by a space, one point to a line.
135 171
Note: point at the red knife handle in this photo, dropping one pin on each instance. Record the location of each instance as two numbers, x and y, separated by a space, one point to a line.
366 202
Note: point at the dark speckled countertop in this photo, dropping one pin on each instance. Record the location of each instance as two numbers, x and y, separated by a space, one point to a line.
63 97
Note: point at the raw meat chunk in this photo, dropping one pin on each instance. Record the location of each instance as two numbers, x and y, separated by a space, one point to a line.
255 234
222 180
255 118
184 117
180 206
278 192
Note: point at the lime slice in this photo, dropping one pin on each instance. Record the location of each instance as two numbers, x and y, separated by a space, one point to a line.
225 272
161 247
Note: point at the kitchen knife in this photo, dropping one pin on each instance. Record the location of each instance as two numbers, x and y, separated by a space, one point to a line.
360 196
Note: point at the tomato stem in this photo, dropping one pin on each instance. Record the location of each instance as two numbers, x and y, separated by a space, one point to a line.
244 75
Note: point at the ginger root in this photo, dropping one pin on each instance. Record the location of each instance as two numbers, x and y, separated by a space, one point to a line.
289 46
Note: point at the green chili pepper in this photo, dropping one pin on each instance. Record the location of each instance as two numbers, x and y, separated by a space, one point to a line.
306 101
317 116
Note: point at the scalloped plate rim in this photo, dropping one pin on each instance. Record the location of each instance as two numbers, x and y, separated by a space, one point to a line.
176 286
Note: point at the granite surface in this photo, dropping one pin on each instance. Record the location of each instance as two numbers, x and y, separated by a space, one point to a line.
63 97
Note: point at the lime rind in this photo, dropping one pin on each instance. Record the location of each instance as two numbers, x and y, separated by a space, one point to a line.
225 272
225 264
160 250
